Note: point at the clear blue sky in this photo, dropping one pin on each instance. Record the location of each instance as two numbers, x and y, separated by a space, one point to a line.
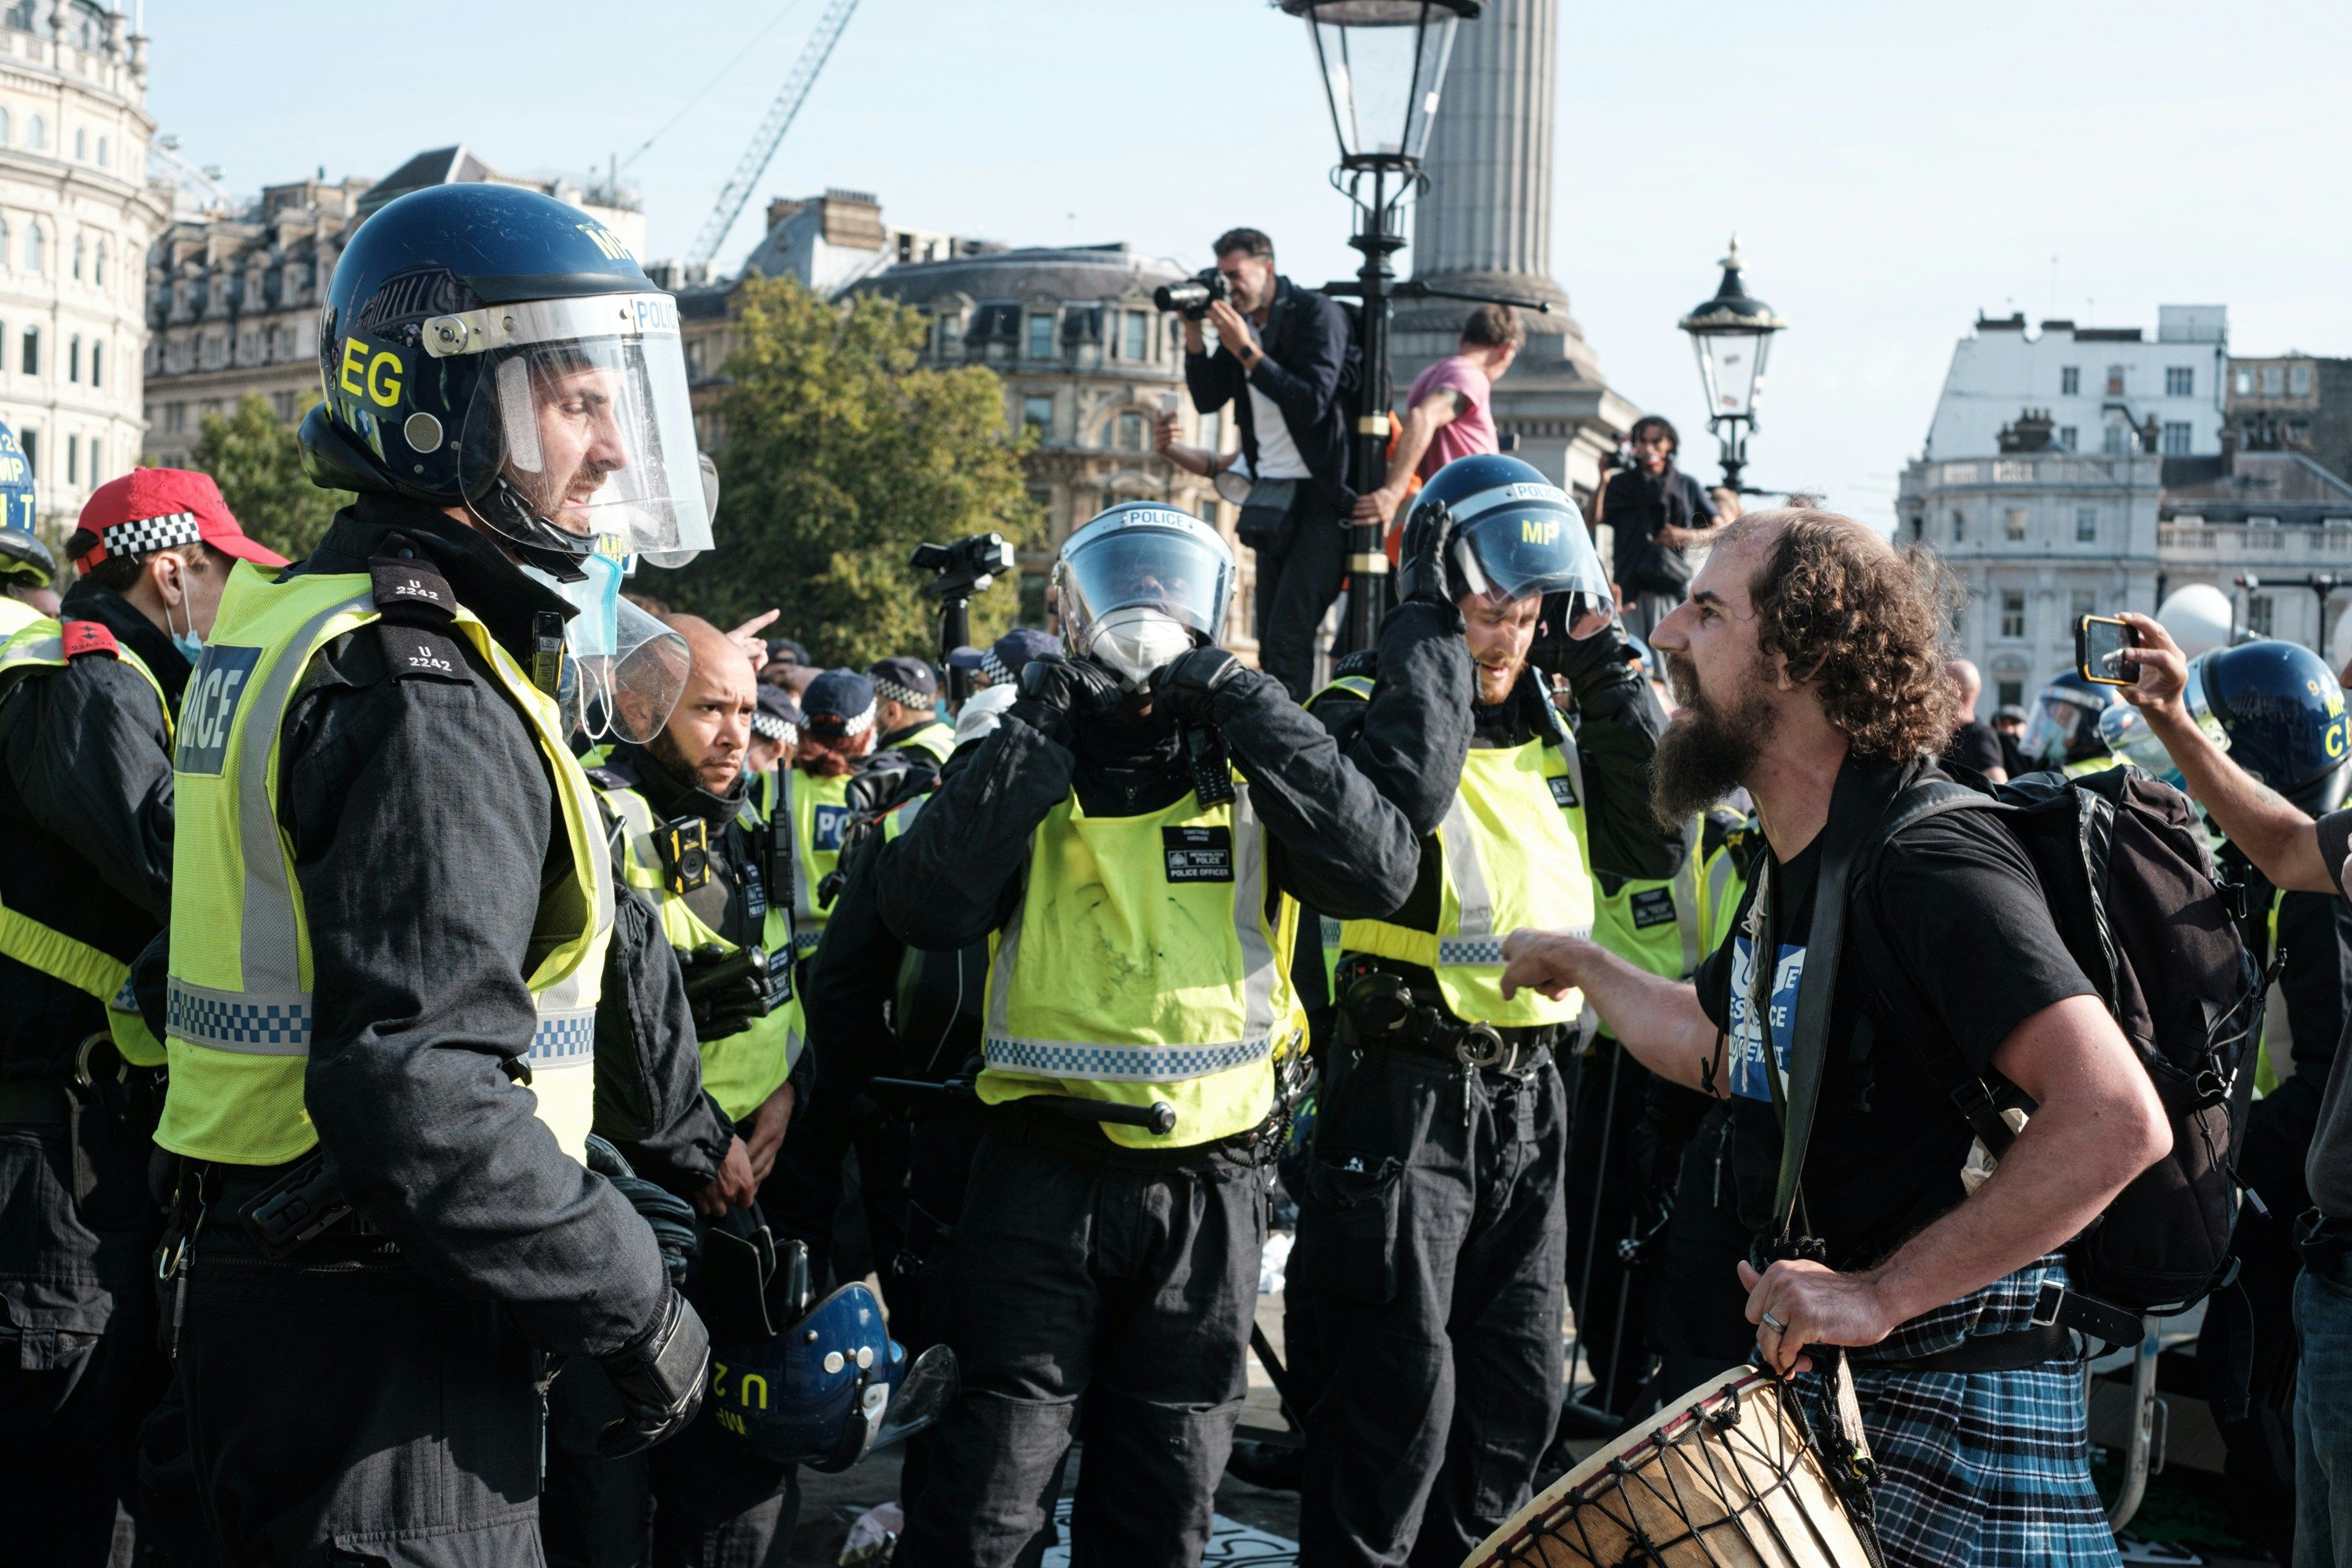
1891 169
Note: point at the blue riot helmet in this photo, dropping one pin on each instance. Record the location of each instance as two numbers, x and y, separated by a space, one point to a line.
25 560
15 486
492 347
1139 586
831 1388
2283 713
1517 535
2064 727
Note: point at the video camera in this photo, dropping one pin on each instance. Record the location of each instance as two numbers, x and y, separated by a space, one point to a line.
964 568
1191 301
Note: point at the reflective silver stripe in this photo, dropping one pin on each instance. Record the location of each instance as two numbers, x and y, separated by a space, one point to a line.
1571 756
1687 908
1465 872
1152 1064
1331 930
269 947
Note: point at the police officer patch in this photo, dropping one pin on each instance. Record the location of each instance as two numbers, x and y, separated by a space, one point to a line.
219 685
826 825
1198 853
1653 907
1563 792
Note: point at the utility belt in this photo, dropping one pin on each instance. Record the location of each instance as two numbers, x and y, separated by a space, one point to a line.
2325 1246
2058 1315
1061 1122
1381 1012
278 1209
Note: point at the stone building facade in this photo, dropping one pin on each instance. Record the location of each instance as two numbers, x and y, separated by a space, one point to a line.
77 213
232 298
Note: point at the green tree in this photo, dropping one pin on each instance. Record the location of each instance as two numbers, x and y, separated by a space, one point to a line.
840 456
254 458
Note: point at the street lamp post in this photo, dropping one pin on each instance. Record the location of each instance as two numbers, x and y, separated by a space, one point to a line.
1382 63
1732 334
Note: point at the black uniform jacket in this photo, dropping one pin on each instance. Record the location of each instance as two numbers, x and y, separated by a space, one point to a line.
1334 842
84 821
425 830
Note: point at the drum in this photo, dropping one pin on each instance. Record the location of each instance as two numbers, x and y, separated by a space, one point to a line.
1723 1478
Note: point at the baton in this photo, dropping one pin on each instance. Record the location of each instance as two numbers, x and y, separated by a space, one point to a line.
1159 1117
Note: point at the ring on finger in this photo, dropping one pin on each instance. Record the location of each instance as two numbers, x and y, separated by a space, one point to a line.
1775 1324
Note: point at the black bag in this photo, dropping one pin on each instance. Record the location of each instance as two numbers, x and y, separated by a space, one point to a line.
2142 908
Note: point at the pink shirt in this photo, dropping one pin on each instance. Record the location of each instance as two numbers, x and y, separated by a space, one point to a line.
1472 430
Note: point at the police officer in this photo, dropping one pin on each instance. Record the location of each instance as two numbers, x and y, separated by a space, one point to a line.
1002 661
87 708
775 736
2064 732
391 900
1143 936
1434 1203
835 744
906 711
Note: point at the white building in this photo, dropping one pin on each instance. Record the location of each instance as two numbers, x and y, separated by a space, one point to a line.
76 214
2100 385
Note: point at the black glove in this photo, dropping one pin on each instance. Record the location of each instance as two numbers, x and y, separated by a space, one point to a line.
659 1376
1186 690
726 988
1421 562
1058 694
1556 653
669 1216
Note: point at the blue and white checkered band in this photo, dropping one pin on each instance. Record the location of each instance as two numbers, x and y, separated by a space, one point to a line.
995 668
146 535
768 727
904 696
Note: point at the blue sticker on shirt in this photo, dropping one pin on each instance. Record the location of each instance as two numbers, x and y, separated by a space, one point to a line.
827 827
219 685
1747 1069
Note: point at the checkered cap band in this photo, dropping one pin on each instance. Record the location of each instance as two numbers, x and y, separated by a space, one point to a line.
768 727
995 668
851 726
904 696
146 535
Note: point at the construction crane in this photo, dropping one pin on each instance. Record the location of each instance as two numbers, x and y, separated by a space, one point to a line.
771 133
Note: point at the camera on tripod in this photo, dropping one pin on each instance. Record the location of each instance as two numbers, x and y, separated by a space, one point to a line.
1192 300
964 568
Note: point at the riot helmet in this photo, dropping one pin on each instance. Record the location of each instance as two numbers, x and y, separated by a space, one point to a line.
2064 726
25 560
491 347
831 1388
1139 586
2283 713
1517 535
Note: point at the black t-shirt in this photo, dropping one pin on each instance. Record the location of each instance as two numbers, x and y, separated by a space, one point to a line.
1961 914
1975 746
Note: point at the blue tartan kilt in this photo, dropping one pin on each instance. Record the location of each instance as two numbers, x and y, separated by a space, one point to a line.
1979 1469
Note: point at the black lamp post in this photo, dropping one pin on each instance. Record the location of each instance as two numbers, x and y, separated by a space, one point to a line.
1383 63
1732 334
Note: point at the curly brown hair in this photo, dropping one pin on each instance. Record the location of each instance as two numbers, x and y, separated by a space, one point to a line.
1868 622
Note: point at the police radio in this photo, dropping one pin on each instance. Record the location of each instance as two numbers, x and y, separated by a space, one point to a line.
1212 768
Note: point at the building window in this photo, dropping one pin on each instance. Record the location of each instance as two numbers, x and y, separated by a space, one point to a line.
4 128
2071 437
31 441
2274 380
1131 433
2117 438
2009 693
81 254
2179 380
32 361
2246 382
2070 380
1138 335
102 153
1041 337
73 459
1038 414
2012 611
2087 525
73 358
2085 602
81 154
2175 438
2116 381
97 275
97 364
2258 615
37 134
36 253
2012 524
2298 381
1960 526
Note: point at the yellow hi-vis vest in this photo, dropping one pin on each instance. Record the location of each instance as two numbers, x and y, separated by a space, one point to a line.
741 1070
935 738
1656 924
40 644
820 812
240 1016
1141 965
1723 883
1512 851
15 615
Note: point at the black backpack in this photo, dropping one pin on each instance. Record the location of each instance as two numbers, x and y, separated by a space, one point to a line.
2135 897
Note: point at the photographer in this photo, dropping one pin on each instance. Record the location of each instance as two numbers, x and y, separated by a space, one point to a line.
1658 513
1284 356
1143 939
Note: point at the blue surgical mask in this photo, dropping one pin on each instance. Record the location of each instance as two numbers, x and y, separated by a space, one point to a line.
190 644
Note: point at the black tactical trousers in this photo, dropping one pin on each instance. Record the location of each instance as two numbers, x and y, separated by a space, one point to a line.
342 1408
78 1364
1133 1287
1424 1302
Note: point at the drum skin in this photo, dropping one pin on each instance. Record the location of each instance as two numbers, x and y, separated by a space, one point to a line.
1723 1477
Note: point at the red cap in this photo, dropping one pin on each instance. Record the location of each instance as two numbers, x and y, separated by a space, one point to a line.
149 509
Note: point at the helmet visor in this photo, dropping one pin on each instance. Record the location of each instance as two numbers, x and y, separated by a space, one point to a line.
1524 540
586 417
2050 733
923 1397
1175 574
624 671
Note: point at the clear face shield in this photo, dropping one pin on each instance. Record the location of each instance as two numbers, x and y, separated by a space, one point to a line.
1526 541
2051 735
585 415
2124 729
624 671
1137 598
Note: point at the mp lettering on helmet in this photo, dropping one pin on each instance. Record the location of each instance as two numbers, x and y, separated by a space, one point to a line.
1539 531
607 241
215 690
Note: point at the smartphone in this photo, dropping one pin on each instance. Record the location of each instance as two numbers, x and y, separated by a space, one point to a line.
1167 402
2101 644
